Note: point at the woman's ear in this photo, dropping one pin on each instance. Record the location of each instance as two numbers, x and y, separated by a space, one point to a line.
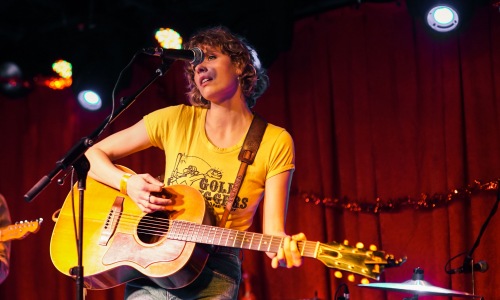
239 71
239 68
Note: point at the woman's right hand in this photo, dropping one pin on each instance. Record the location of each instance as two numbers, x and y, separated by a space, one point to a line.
141 189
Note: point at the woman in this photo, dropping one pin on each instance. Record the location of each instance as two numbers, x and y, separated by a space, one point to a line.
201 143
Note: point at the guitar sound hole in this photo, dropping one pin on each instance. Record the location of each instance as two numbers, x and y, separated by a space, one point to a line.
153 227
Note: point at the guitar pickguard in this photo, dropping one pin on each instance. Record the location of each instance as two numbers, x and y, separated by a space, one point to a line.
146 244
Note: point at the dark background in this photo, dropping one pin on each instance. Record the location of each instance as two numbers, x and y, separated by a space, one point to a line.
395 128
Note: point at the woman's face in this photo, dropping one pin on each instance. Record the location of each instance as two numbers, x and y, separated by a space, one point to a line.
217 77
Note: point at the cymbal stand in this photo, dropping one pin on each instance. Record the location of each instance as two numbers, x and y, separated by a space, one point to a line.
469 261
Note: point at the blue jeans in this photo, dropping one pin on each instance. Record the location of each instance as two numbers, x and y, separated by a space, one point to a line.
220 279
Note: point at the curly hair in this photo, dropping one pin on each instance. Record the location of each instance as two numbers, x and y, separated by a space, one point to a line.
253 80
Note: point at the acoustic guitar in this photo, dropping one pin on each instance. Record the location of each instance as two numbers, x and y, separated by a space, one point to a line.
19 230
121 243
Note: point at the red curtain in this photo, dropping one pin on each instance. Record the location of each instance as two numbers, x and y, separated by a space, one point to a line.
382 112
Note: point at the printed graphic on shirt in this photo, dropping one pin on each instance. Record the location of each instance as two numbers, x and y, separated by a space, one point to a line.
198 173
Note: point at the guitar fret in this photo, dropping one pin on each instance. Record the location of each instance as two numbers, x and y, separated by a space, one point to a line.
243 239
195 237
235 238
185 227
231 236
202 236
303 248
240 235
198 233
220 238
211 232
265 239
251 240
180 234
183 230
260 242
171 232
227 238
192 232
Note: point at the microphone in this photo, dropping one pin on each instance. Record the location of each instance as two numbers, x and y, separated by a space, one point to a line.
195 56
480 266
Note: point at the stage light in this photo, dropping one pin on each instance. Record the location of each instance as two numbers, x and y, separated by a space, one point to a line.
90 94
90 100
58 83
92 87
443 18
62 77
63 68
168 38
12 81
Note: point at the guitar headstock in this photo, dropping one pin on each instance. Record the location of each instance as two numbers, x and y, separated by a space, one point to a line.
366 262
19 230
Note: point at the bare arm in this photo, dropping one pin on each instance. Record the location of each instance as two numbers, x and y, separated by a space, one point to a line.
275 210
118 145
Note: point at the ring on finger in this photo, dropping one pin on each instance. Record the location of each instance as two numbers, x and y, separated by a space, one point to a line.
149 198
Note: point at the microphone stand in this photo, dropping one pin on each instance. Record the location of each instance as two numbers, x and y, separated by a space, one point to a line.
468 261
75 157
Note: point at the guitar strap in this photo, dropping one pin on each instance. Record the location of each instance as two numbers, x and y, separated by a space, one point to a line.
246 156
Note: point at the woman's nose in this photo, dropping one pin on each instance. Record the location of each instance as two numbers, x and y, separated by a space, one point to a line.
200 68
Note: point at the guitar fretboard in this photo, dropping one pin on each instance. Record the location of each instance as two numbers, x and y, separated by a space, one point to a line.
206 234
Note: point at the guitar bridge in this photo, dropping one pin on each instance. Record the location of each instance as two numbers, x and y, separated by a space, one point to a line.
111 221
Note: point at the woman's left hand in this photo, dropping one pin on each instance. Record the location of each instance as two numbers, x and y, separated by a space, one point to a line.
289 255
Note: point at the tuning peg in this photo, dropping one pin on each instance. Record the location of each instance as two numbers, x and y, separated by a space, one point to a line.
373 247
346 243
360 245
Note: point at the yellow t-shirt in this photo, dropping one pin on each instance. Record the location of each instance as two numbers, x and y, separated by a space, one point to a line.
191 159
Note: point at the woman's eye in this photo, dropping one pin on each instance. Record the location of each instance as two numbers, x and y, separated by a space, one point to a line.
211 57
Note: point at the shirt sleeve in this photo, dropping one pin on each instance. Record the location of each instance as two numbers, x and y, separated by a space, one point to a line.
282 154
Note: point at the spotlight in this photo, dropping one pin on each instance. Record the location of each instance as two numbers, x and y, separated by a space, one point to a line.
168 38
12 82
92 86
89 100
61 76
442 18
63 68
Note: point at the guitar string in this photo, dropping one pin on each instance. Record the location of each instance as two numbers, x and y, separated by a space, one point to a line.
190 231
200 233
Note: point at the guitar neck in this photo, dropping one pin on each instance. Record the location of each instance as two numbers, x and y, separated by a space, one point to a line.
211 235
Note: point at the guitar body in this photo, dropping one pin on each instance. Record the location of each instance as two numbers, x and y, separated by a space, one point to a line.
117 242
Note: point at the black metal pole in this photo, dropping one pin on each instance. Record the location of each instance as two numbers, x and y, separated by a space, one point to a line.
75 157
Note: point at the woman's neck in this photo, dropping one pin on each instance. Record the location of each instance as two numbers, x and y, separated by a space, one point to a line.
226 127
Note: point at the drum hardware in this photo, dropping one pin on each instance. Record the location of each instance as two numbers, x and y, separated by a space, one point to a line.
418 287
